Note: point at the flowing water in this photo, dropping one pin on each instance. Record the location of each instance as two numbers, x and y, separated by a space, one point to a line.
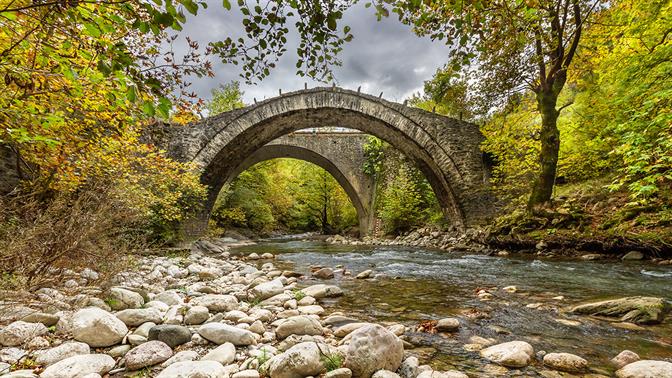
416 284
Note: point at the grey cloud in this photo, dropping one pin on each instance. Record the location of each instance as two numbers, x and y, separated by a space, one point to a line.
384 56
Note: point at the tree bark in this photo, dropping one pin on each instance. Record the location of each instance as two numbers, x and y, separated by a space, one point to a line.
542 188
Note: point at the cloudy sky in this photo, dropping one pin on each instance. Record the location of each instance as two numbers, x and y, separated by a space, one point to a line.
383 56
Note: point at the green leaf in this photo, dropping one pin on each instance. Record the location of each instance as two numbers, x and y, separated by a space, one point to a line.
190 5
148 108
226 4
131 94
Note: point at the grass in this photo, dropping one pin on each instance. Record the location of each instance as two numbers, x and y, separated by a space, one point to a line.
254 302
298 294
332 361
261 360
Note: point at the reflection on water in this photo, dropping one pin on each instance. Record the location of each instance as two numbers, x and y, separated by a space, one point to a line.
415 284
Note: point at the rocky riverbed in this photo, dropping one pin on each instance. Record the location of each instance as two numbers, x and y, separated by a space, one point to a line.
480 241
207 313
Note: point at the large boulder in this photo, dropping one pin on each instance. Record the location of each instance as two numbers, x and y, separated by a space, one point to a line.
220 333
646 369
21 332
171 334
640 310
97 327
216 302
79 366
267 289
565 362
299 325
61 352
322 291
121 299
147 354
301 360
513 354
373 348
194 369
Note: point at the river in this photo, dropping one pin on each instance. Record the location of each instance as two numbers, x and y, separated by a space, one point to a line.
415 284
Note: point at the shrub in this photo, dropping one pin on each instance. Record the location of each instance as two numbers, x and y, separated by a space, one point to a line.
42 238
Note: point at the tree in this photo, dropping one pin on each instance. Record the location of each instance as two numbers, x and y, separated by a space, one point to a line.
225 98
511 46
448 94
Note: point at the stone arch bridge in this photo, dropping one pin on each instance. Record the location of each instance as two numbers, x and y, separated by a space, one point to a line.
446 150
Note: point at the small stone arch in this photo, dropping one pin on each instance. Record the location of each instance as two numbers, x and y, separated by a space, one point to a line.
274 151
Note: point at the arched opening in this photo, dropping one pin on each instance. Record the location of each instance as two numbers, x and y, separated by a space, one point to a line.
273 151
289 189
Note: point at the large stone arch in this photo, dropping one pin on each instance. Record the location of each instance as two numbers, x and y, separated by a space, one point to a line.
446 150
359 199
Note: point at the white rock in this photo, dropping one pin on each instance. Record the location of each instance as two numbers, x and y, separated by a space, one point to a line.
235 315
249 373
196 315
119 351
21 332
216 302
12 355
301 360
267 289
364 274
257 327
224 354
442 374
646 369
220 333
373 348
565 362
409 367
61 352
194 369
346 329
24 373
158 305
89 274
276 300
121 299
511 354
448 325
322 291
185 355
299 325
311 310
385 374
340 373
79 366
97 327
147 354
169 297
624 358
135 316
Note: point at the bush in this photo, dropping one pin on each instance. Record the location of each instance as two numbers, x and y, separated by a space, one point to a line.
41 239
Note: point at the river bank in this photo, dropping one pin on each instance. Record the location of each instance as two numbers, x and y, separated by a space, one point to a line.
494 244
228 308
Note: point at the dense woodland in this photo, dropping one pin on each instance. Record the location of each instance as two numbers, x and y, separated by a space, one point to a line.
573 97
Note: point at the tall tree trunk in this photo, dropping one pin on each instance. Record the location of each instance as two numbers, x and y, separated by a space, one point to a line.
542 188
